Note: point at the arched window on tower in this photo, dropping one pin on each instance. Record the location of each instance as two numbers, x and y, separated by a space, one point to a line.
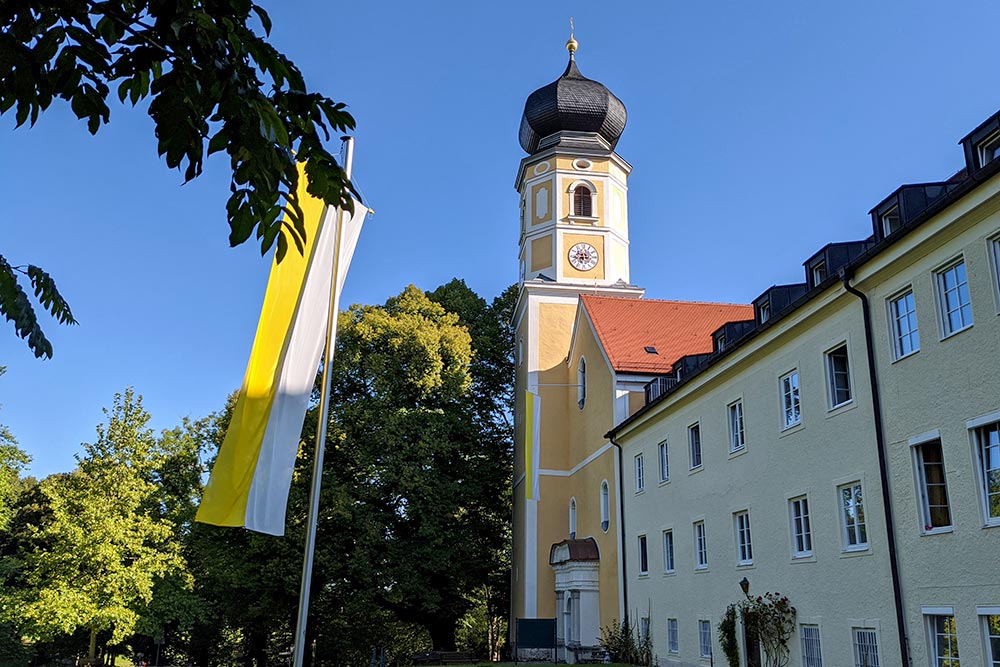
581 383
572 518
582 202
605 506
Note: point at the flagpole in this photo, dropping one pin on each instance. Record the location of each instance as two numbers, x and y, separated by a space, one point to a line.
299 647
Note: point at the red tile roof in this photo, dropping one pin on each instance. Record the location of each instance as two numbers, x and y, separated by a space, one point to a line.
675 328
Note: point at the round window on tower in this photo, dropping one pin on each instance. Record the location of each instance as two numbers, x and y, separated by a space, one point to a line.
582 165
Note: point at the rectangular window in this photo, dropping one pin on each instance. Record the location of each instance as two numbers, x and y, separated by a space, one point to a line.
944 641
744 547
765 311
801 530
694 445
700 546
705 638
737 441
811 654
935 512
640 477
995 252
988 455
903 314
890 221
668 551
672 643
791 406
953 297
852 517
991 637
819 273
664 463
644 627
839 376
989 149
865 647
643 560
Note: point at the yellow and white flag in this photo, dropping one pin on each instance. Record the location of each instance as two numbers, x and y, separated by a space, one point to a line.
532 441
253 472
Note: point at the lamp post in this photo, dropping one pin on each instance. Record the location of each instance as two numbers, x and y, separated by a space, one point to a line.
745 585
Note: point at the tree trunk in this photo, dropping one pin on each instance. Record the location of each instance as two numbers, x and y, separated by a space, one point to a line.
92 653
442 631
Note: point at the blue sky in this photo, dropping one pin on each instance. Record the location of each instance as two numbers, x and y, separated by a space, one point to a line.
758 133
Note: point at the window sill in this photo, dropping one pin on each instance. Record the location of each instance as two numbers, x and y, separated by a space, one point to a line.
790 430
699 570
994 523
861 551
695 470
937 531
739 452
640 491
906 356
744 566
644 575
664 482
583 219
956 331
842 408
804 558
672 573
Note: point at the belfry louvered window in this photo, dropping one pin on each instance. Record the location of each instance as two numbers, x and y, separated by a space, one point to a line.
582 204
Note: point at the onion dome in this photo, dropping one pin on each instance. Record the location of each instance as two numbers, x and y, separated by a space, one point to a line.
571 103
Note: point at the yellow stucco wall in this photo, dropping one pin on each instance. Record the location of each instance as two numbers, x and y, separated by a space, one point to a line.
541 253
597 165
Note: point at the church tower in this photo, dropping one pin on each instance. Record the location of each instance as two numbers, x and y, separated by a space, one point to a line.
573 241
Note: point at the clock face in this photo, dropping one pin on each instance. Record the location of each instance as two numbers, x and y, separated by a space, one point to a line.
583 256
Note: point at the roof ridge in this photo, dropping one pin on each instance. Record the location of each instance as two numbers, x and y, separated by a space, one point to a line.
677 301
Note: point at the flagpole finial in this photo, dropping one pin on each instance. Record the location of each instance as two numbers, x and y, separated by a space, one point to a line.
572 44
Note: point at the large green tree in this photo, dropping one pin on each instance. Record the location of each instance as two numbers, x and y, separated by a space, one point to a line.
102 542
13 461
214 84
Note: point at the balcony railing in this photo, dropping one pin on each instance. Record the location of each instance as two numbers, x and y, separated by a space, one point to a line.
657 387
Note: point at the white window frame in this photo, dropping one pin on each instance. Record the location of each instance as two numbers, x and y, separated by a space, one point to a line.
643 554
801 527
812 647
605 506
644 627
668 551
859 639
994 253
572 518
744 540
992 141
819 273
581 383
700 545
943 292
939 640
985 614
737 428
832 374
892 211
923 494
664 460
791 399
977 432
673 643
765 311
694 446
640 473
859 529
704 639
896 334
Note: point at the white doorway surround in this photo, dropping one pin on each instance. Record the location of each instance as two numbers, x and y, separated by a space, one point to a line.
576 564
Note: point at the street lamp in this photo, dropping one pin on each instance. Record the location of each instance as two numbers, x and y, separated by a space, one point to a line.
745 585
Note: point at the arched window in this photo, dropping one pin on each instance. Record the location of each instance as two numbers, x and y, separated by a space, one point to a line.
572 518
582 201
605 506
568 617
581 383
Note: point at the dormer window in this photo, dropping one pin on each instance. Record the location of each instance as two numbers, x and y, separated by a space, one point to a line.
891 221
989 149
765 311
720 343
819 273
582 202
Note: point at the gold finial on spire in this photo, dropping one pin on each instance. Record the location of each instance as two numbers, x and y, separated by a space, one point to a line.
572 44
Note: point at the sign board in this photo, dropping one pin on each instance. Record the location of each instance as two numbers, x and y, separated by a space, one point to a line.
535 633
